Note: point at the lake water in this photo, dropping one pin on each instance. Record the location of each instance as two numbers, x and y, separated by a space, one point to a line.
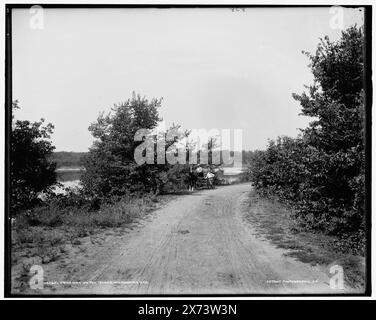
232 171
69 174
68 177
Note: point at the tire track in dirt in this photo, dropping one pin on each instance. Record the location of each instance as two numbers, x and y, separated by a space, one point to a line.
199 244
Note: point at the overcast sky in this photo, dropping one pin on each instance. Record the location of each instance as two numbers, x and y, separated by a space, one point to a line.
214 68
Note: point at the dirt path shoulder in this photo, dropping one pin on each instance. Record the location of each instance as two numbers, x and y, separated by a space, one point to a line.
199 243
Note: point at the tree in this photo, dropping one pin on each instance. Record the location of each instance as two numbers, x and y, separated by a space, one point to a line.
31 171
337 103
336 97
110 166
322 172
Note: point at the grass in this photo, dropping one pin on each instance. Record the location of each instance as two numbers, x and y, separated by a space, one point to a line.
47 234
273 221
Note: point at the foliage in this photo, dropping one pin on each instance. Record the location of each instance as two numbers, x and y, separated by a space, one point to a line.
110 166
71 210
31 171
111 170
322 171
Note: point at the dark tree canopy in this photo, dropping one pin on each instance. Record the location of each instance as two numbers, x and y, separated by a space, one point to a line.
31 171
110 166
322 172
336 97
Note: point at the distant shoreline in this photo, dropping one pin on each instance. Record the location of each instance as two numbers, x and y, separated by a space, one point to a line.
70 169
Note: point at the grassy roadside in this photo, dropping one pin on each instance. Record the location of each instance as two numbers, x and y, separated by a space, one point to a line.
50 237
272 221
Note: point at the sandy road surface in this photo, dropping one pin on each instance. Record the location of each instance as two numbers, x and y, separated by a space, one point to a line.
198 244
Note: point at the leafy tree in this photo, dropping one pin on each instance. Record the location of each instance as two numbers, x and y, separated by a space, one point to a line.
322 172
111 170
31 171
110 166
336 101
336 97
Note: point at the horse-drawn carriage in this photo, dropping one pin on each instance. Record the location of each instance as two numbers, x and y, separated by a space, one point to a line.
203 177
204 183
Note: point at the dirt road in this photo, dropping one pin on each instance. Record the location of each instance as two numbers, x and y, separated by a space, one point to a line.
197 244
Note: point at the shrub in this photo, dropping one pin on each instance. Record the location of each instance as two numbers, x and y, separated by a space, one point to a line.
31 171
322 171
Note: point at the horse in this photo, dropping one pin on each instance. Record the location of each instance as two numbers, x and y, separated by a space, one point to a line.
198 174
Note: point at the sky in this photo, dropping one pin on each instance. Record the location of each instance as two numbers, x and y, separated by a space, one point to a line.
214 68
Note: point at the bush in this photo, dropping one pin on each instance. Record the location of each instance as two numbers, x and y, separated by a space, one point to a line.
111 170
322 171
31 171
110 166
114 213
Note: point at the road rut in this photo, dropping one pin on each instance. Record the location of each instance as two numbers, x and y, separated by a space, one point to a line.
199 244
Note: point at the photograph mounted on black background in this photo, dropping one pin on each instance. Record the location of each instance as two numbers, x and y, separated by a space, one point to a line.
188 150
